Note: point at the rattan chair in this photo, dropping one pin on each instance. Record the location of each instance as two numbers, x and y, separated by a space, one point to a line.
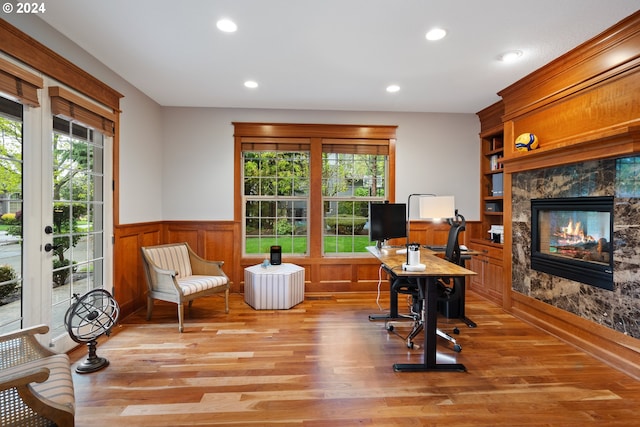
36 385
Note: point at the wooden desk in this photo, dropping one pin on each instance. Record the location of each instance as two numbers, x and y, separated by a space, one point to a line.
435 267
393 296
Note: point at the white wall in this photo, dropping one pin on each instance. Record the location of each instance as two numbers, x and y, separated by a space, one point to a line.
436 153
177 163
140 132
141 160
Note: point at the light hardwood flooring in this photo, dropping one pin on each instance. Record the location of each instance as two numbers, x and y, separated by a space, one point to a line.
323 363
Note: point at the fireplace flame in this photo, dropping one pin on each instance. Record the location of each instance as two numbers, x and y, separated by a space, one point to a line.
572 234
573 230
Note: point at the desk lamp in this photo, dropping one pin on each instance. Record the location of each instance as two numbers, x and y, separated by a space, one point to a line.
435 208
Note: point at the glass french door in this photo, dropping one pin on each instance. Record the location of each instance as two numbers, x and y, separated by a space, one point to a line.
77 230
11 210
53 225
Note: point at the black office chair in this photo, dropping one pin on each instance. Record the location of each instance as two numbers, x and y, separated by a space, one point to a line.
449 289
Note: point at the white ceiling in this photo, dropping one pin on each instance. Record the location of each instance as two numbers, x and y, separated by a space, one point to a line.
329 54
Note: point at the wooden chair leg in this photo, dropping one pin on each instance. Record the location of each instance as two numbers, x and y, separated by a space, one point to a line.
149 307
180 317
226 301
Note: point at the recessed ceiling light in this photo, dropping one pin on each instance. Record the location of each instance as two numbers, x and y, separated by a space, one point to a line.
251 84
393 88
436 34
226 25
510 56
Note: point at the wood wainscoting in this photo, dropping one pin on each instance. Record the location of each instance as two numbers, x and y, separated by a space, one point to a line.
129 286
217 240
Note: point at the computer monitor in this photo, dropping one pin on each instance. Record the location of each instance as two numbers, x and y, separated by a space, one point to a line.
387 221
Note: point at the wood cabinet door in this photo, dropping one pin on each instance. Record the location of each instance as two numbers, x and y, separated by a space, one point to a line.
493 280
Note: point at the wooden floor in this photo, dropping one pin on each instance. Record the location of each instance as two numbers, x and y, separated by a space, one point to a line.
323 363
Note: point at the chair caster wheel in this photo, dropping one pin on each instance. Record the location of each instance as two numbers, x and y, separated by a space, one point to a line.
410 345
389 328
456 330
457 348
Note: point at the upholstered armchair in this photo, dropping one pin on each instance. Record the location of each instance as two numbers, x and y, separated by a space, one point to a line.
177 274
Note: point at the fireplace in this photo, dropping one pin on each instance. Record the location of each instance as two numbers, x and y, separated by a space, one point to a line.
571 238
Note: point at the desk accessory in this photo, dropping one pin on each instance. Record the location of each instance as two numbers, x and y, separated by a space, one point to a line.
413 258
413 254
276 255
414 267
88 318
435 208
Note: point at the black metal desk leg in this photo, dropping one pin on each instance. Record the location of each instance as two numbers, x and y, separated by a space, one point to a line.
470 323
430 294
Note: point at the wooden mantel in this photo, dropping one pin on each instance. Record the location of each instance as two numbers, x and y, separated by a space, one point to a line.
616 141
581 106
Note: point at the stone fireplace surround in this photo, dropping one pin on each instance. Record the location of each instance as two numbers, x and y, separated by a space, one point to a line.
618 309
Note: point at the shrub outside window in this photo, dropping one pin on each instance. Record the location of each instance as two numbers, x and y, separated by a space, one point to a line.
276 193
349 183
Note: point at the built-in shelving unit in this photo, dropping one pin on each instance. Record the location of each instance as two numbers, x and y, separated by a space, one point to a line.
488 263
492 178
491 168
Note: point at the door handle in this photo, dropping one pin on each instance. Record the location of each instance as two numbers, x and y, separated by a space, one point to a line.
49 247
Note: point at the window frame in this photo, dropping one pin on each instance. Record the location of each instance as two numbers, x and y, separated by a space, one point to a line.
332 223
276 199
366 139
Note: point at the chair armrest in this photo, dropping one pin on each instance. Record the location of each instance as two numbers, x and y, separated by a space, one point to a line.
208 268
201 266
18 376
163 280
34 330
21 346
22 379
161 271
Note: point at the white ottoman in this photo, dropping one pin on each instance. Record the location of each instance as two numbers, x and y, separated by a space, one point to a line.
275 287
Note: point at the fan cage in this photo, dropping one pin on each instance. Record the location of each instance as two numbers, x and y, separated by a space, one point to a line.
91 316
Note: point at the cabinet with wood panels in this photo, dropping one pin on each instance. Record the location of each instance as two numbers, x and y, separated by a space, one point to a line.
489 264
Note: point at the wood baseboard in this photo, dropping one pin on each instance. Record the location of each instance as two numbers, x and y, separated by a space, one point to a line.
613 348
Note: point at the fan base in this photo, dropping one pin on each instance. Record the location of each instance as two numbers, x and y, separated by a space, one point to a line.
92 365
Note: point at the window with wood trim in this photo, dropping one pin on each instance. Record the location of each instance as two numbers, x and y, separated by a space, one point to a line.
276 194
307 188
353 176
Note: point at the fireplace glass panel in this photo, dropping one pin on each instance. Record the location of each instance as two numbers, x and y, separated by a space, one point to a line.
582 235
571 238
